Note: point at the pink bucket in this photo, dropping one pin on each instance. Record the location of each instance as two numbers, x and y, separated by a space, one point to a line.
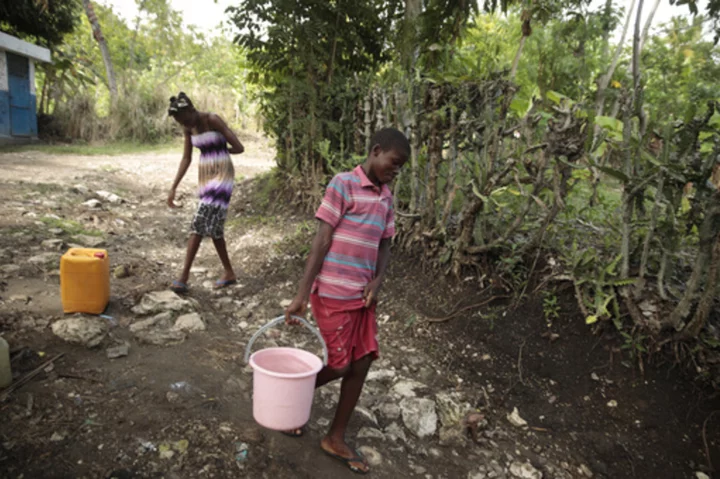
283 382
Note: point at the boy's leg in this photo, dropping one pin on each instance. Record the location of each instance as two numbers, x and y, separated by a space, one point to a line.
221 249
352 384
192 249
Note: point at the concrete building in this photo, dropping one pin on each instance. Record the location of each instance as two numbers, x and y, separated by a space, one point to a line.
18 118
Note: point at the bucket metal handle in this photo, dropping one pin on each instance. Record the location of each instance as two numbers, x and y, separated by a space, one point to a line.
279 320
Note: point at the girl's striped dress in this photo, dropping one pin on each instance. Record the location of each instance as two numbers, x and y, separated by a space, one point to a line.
217 177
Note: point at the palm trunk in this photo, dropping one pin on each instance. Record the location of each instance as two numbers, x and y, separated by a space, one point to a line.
97 33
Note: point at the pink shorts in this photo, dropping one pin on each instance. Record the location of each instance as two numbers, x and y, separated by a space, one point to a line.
348 328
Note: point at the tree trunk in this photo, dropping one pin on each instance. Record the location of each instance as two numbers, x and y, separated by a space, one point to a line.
605 79
367 109
707 299
435 147
97 33
648 22
526 31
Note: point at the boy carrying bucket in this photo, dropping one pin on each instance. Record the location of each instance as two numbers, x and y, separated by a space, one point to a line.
343 275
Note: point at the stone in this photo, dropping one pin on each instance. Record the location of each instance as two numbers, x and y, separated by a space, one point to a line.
111 197
370 433
406 388
89 241
53 244
57 437
701 475
84 330
161 337
118 351
524 470
161 301
93 204
451 408
285 303
585 471
419 416
381 375
367 414
395 433
515 419
389 411
452 436
372 456
9 269
612 403
80 189
190 322
121 272
162 320
44 258
19 298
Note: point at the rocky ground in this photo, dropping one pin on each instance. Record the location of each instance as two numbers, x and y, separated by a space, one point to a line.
157 386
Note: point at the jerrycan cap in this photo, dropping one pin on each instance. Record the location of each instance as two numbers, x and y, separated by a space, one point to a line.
99 255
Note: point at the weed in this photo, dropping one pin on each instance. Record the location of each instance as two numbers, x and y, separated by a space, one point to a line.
70 227
551 308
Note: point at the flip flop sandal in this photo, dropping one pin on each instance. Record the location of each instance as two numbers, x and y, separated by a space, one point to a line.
299 432
179 287
348 460
223 283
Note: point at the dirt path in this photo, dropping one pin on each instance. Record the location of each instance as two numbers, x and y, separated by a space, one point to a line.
182 409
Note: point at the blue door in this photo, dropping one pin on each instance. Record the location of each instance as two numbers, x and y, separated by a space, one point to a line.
20 104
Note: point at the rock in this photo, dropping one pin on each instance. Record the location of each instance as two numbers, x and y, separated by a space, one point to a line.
395 433
366 414
19 298
89 241
111 197
419 416
451 408
190 322
161 337
371 455
162 321
477 475
251 435
160 301
524 470
57 437
44 258
585 471
9 269
701 475
121 272
80 189
89 332
612 403
94 204
389 411
452 436
53 244
381 375
172 397
285 303
515 419
118 351
406 388
370 433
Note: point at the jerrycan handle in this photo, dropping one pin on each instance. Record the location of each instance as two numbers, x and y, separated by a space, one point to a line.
281 319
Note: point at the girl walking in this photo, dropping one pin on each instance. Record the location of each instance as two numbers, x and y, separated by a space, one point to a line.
209 133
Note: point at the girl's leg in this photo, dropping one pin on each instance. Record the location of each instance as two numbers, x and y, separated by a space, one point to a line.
192 249
224 259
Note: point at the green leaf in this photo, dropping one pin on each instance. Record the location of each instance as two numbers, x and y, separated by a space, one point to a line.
555 97
614 173
609 123
591 319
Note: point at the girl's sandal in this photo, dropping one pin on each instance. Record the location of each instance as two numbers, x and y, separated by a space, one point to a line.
299 432
223 283
178 287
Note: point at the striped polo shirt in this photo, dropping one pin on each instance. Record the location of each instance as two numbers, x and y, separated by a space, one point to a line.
361 215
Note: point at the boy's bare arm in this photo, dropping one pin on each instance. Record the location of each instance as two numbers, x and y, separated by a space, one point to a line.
371 290
320 247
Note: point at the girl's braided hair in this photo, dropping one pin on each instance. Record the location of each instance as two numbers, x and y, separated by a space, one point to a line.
180 103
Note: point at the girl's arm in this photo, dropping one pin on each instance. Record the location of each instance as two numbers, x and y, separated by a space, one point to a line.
217 124
182 169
